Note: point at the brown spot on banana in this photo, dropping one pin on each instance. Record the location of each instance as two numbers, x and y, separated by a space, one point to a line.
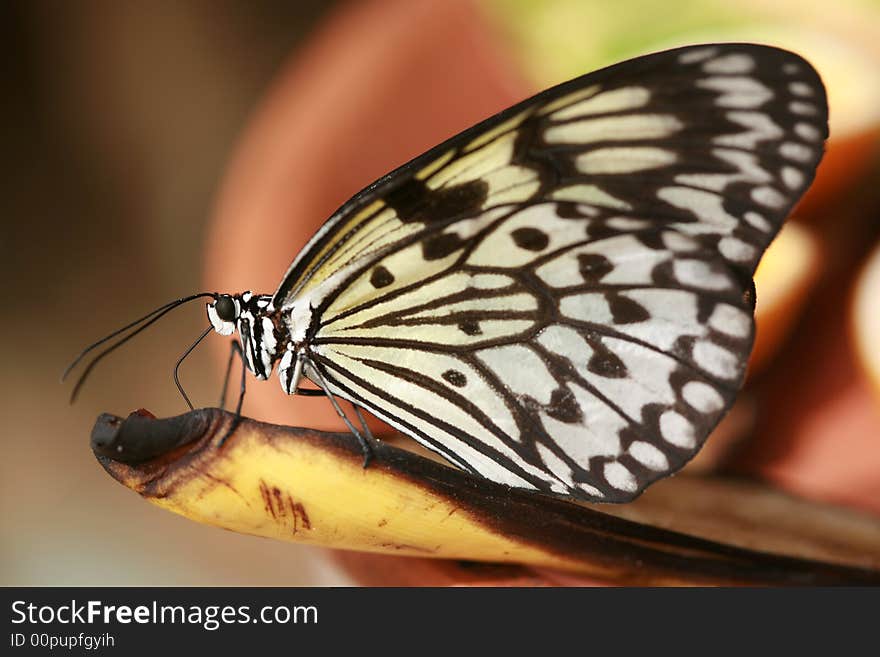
299 484
282 508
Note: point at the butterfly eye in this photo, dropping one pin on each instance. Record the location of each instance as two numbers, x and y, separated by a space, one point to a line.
225 308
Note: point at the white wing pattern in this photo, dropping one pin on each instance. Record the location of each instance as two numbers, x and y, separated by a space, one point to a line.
561 297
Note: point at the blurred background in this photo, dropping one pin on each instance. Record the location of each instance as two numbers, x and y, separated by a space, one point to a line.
120 121
119 118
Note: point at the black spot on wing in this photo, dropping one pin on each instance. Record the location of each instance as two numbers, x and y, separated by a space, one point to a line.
530 239
440 246
652 239
626 311
570 210
381 277
455 378
593 266
407 198
605 362
597 230
414 201
470 327
564 407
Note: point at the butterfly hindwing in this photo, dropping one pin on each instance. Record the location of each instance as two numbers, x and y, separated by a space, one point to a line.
559 298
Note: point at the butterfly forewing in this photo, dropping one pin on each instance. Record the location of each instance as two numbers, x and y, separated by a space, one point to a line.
560 297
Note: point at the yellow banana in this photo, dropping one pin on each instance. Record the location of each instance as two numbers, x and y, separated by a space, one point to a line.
304 485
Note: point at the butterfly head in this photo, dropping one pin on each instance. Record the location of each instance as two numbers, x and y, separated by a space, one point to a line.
255 319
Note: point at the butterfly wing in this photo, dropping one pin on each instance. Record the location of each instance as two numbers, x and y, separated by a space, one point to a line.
561 297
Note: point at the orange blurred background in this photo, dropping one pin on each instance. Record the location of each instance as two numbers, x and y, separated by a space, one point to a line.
118 120
121 120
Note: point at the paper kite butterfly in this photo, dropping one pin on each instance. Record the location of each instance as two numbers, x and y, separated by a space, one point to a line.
559 298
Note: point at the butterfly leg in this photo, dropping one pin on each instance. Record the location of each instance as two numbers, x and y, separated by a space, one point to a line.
236 349
290 379
364 426
365 445
180 360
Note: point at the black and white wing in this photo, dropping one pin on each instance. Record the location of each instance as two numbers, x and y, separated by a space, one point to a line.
561 297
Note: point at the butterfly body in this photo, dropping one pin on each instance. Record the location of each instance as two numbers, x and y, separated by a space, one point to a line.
559 298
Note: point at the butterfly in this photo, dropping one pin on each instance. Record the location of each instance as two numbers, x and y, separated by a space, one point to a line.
559 298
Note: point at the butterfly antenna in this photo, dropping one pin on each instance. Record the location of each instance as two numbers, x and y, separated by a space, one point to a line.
146 321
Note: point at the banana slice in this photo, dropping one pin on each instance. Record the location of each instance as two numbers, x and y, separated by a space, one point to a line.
303 485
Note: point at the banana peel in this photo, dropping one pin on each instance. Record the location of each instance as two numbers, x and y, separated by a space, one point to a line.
309 486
